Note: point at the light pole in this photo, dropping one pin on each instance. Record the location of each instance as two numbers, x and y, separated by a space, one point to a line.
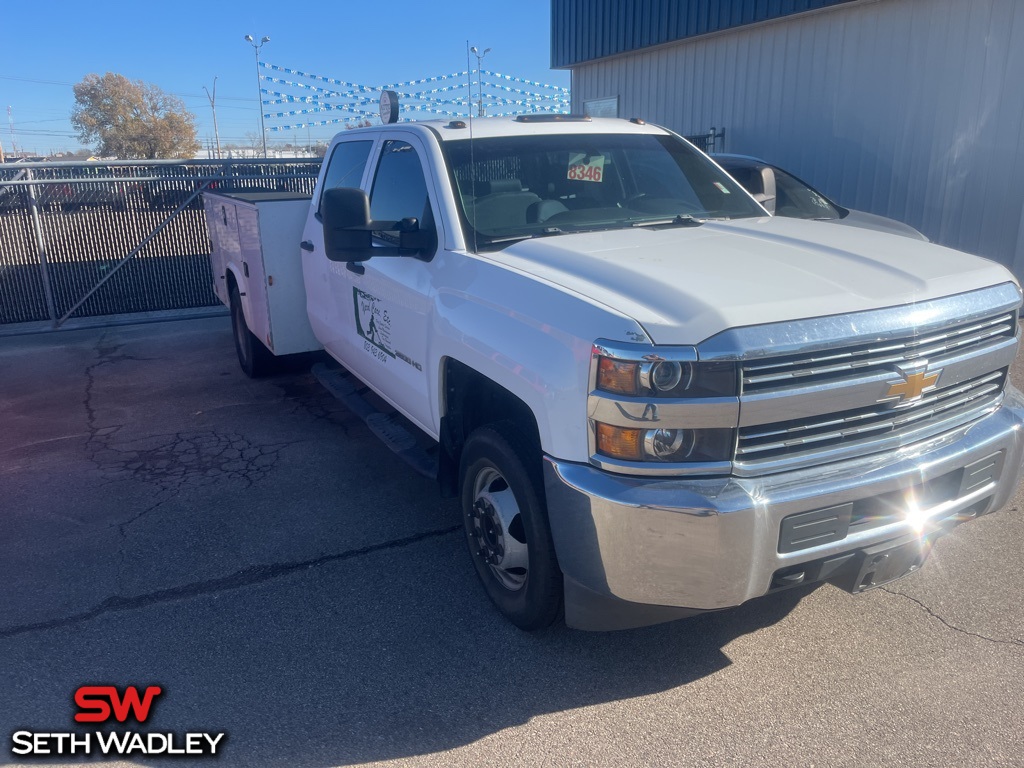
479 81
259 92
213 106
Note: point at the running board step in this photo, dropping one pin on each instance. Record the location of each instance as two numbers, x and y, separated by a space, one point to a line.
386 426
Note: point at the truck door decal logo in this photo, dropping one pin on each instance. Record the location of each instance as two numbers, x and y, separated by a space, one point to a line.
373 324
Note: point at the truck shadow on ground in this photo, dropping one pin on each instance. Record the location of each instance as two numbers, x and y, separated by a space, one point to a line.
447 675
394 654
381 645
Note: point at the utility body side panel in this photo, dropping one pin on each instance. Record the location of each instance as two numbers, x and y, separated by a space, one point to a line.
224 246
255 238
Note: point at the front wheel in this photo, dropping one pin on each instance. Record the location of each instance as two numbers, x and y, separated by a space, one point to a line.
506 525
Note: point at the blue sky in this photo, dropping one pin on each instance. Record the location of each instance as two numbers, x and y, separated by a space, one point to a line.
47 47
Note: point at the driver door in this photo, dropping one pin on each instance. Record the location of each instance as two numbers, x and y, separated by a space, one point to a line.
389 298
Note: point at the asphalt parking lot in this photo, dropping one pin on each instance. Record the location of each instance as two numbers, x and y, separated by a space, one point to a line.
252 549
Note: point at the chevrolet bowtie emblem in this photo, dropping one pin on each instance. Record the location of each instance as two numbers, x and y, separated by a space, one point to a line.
912 386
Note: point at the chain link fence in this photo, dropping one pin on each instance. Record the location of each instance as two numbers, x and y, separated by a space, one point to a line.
95 238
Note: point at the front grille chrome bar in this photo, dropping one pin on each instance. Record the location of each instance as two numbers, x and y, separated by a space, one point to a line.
788 438
766 374
817 391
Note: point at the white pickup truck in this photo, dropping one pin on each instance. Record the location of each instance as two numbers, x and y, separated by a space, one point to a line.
652 398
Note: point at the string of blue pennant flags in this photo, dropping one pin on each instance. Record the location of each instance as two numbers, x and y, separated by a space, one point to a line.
428 95
416 94
334 81
455 94
494 101
392 86
339 121
534 83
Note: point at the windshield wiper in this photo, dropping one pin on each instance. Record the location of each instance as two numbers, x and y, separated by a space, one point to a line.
679 220
546 232
512 239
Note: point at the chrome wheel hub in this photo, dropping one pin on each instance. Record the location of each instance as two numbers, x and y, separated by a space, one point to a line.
496 529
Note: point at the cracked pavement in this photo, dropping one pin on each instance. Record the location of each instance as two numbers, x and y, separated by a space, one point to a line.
251 548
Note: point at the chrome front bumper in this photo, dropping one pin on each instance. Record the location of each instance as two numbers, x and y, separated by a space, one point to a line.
713 543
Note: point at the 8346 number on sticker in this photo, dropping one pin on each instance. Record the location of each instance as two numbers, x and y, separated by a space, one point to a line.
586 168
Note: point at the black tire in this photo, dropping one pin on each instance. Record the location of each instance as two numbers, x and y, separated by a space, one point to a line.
254 358
525 586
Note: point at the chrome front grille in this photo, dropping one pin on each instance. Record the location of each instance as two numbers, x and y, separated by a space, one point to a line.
840 387
947 406
828 365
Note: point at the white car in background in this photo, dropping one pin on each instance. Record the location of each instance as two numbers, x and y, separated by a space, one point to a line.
783 194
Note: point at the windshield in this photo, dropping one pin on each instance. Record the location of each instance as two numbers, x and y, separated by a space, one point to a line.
510 188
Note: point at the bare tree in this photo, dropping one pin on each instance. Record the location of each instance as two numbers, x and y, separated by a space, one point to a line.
132 119
253 142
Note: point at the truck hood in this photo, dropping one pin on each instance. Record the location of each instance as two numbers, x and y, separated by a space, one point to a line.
686 284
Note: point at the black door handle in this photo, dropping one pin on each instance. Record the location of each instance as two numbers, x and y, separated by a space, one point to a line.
355 266
307 245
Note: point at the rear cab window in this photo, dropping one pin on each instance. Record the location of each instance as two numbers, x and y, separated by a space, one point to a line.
345 166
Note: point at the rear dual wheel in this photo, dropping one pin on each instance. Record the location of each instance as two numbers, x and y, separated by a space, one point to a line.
254 358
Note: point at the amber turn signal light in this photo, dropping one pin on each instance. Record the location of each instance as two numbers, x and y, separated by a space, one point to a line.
617 376
620 443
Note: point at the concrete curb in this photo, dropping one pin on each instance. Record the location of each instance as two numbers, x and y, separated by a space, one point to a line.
108 321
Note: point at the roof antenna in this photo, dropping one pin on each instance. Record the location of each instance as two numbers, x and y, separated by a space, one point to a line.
472 163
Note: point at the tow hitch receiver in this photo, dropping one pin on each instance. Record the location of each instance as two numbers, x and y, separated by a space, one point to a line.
884 563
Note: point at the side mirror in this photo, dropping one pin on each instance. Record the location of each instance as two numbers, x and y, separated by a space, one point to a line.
767 197
345 213
348 229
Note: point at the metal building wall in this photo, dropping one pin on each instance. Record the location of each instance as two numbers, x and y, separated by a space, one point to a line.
582 30
907 108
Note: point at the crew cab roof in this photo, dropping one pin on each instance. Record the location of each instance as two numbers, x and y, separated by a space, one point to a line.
490 127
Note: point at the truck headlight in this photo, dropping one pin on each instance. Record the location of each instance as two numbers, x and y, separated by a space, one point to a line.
663 444
669 444
661 410
665 375
666 378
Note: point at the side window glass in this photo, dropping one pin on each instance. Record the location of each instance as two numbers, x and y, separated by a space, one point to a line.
345 168
795 199
399 189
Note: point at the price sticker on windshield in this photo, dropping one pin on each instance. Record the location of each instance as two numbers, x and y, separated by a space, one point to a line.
584 167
